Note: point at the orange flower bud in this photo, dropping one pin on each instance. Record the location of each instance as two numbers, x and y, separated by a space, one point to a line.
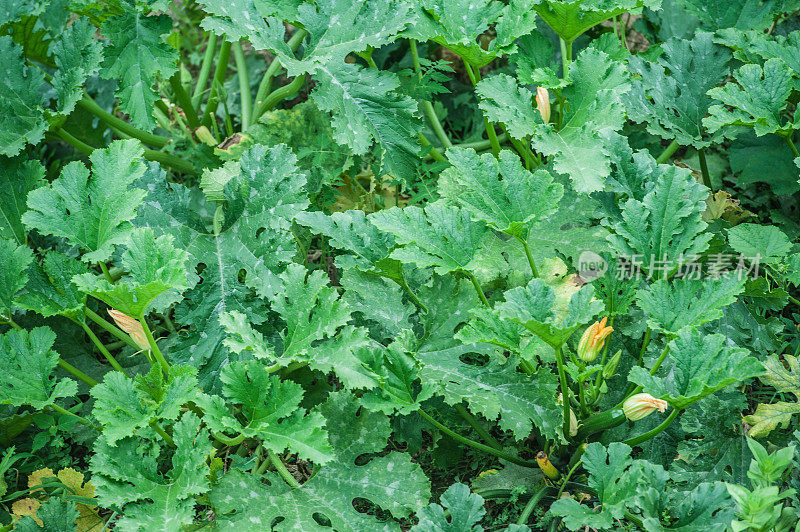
543 103
593 340
132 327
642 405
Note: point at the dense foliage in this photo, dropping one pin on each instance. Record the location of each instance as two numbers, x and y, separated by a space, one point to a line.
428 265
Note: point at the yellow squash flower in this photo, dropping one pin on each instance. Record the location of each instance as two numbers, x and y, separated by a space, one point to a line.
642 405
593 340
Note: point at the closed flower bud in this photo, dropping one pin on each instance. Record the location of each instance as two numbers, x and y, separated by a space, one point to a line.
573 424
593 340
642 405
132 327
611 366
543 103
546 466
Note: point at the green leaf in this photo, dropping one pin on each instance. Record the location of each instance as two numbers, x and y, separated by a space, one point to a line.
352 231
27 362
439 236
78 55
391 482
367 107
254 239
13 274
243 337
123 406
91 211
669 94
21 108
765 46
18 177
138 56
499 192
666 225
698 365
785 379
757 101
488 327
497 391
127 476
465 509
571 18
271 412
536 307
672 306
742 15
615 488
57 514
594 99
398 374
391 317
50 290
766 243
240 19
156 276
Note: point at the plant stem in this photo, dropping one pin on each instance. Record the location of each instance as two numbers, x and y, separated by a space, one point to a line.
154 346
404 285
265 86
476 445
184 100
96 341
529 256
281 93
244 84
148 138
704 169
219 77
163 433
427 106
668 151
110 328
66 412
475 77
660 360
106 273
205 70
566 57
433 152
794 300
281 468
476 426
72 141
78 374
478 288
528 510
225 440
788 139
562 377
14 324
654 432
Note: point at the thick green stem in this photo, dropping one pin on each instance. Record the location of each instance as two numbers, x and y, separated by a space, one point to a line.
14 325
225 440
788 139
532 502
163 433
244 84
265 86
475 77
478 288
78 374
566 57
154 347
704 169
110 328
74 142
281 468
96 341
668 151
476 426
660 360
476 445
184 100
562 377
566 479
281 93
106 273
148 138
205 69
66 412
529 256
427 106
654 432
794 300
219 77
432 151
